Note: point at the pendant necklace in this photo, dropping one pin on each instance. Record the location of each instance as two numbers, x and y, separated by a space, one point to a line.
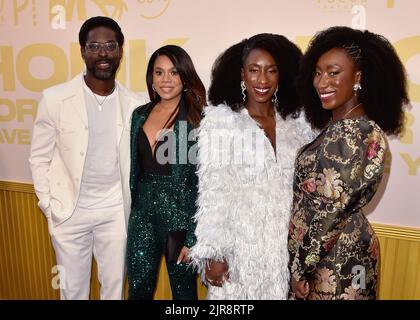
352 109
103 101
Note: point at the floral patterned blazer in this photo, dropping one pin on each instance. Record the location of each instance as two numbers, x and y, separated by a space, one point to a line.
331 243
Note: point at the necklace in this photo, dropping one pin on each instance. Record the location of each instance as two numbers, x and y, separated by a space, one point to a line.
348 112
269 116
103 101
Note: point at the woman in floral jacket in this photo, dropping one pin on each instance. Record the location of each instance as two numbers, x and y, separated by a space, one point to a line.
353 87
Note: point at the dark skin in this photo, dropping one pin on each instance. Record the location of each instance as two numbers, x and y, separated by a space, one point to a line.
101 67
300 288
261 76
217 272
268 124
334 77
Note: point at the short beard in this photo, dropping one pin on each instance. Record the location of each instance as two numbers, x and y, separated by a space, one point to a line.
103 74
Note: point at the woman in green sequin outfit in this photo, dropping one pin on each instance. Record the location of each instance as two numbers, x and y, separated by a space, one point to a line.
163 181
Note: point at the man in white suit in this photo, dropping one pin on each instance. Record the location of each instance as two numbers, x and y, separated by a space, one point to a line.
80 162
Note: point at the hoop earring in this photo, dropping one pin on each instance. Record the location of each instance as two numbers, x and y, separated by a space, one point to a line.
243 87
274 99
153 88
357 87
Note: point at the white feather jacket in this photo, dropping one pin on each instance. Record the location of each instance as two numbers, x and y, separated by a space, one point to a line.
245 194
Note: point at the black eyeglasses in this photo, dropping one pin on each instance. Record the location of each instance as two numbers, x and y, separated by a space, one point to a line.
95 47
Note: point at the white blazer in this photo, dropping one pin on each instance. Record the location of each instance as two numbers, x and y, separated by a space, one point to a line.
59 145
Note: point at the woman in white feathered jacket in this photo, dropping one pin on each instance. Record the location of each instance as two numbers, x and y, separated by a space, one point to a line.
246 150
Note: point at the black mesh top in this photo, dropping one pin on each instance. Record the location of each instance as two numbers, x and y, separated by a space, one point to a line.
155 161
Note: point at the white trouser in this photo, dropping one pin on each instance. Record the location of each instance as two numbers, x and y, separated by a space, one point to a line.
98 232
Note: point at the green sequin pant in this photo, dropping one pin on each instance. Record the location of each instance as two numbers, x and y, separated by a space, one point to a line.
155 212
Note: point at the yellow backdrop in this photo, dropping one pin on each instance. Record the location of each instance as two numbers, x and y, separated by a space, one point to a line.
27 257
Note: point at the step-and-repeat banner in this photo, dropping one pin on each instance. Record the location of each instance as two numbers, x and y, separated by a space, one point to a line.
39 48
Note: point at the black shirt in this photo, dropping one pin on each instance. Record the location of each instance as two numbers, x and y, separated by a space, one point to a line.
159 161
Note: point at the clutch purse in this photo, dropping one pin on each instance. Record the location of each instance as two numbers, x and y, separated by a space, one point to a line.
174 244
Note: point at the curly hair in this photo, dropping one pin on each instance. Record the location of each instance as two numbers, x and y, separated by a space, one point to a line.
100 21
194 91
383 80
226 72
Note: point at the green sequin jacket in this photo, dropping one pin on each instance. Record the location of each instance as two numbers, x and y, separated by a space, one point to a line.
184 173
